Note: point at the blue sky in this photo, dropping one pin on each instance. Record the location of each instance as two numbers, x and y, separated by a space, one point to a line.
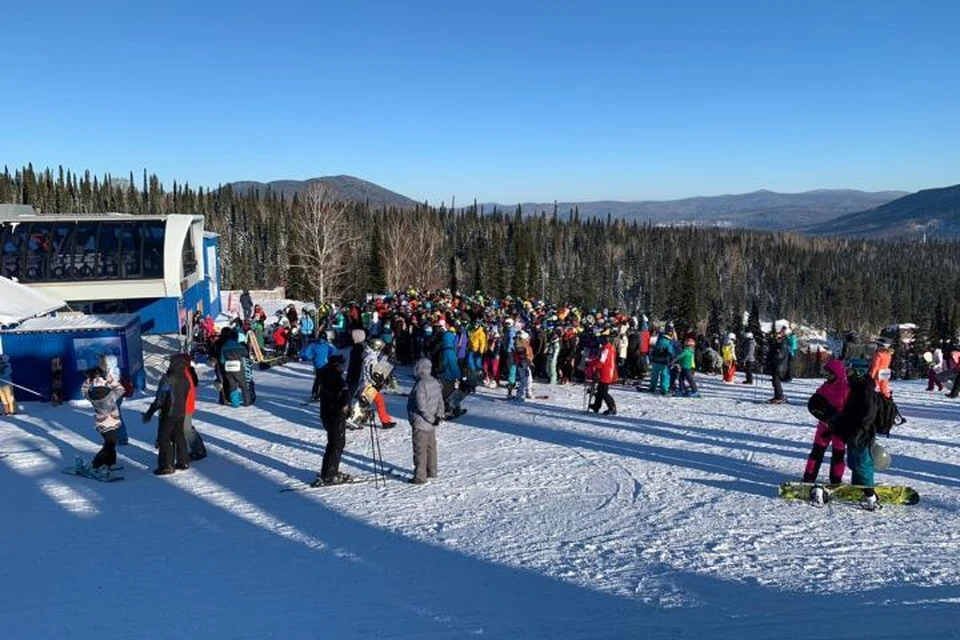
498 101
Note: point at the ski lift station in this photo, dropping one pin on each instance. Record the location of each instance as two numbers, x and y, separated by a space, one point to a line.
159 267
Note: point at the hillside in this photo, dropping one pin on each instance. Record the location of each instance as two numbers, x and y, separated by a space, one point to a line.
346 187
761 210
931 212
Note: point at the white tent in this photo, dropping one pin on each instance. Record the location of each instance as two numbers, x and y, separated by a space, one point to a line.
19 302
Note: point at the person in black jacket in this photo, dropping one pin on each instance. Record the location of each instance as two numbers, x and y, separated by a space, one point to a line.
857 426
334 406
778 359
171 401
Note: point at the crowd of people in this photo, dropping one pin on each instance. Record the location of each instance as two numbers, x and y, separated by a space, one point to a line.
456 344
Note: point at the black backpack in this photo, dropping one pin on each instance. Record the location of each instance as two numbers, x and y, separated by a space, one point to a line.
888 416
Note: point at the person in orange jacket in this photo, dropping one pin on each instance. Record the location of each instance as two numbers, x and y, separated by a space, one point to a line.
880 366
607 375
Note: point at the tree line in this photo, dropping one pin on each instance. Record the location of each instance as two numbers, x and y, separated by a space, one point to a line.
323 248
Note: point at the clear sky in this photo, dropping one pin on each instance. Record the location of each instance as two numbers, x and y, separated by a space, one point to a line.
498 101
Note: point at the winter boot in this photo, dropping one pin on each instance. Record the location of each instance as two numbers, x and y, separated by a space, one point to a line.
871 502
819 496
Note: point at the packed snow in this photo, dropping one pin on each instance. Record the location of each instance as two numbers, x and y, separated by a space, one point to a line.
545 522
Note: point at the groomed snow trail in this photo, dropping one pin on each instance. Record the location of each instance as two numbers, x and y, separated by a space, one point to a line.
546 521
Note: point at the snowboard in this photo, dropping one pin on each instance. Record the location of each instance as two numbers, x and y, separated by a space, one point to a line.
850 493
307 486
73 472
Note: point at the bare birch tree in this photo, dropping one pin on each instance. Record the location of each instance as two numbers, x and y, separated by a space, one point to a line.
414 249
321 238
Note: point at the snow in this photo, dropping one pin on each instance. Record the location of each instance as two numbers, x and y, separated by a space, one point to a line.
545 522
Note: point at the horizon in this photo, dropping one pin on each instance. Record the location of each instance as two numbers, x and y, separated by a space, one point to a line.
533 103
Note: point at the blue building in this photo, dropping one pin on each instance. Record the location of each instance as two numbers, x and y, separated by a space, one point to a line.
162 268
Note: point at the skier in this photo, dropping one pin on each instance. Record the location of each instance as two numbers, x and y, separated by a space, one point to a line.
449 371
425 410
104 395
334 395
171 401
835 391
791 353
606 375
749 356
478 346
371 382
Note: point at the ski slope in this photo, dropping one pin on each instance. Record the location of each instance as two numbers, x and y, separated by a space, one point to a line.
545 522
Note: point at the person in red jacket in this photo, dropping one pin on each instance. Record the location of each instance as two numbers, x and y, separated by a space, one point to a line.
606 375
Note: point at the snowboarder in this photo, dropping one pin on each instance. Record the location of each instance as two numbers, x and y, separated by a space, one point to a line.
879 368
425 410
104 395
171 401
835 391
856 425
522 360
729 355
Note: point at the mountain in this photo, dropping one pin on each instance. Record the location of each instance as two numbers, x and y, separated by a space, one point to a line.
346 187
931 212
766 210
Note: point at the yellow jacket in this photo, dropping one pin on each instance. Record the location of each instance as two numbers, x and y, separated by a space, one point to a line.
478 340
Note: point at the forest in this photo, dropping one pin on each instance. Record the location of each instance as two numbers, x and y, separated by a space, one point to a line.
322 248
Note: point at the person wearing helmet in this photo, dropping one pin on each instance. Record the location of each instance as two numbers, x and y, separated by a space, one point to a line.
522 360
729 354
879 368
491 358
368 389
749 356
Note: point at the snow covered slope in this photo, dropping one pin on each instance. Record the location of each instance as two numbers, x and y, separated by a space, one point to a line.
546 522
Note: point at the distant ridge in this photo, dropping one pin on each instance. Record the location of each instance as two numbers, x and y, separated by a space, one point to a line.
763 209
934 213
346 187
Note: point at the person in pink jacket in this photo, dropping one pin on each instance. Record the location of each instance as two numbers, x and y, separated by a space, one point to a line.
835 390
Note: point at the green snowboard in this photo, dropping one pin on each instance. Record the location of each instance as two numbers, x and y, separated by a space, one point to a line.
850 493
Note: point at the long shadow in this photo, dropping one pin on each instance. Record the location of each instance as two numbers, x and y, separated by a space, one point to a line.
678 457
716 437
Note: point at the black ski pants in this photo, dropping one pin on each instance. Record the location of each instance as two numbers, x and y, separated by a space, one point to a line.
108 454
336 427
602 395
170 441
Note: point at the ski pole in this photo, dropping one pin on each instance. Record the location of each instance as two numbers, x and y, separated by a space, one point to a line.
14 384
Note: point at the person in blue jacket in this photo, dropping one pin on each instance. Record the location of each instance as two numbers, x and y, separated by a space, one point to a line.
318 352
449 367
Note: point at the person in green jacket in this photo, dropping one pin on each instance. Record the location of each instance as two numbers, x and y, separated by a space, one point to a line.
686 362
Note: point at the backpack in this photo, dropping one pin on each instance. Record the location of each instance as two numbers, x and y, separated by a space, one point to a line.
661 352
888 416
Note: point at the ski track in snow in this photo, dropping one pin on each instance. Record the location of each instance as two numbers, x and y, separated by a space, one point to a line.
669 506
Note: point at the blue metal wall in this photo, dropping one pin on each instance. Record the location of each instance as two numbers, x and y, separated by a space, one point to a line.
31 352
212 305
